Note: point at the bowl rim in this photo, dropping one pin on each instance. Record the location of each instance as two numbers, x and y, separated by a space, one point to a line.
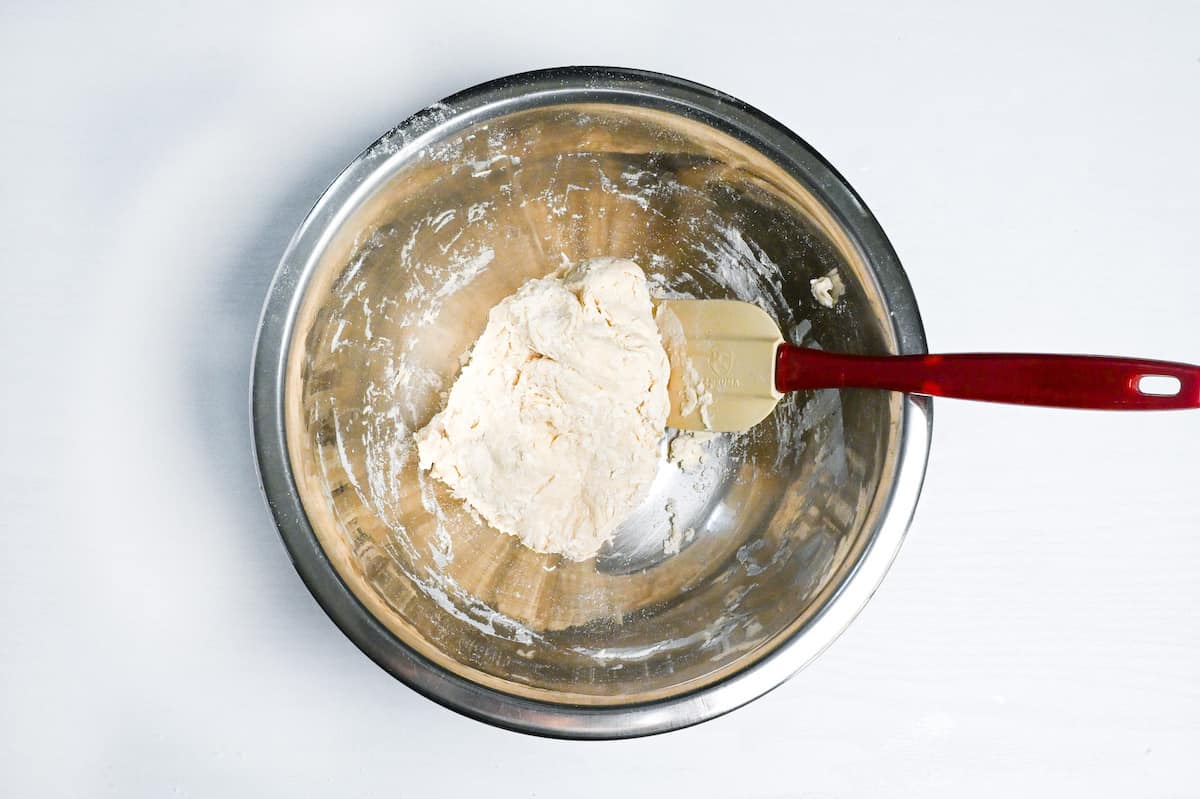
579 84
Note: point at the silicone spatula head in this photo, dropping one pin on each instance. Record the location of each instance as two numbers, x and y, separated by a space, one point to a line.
722 355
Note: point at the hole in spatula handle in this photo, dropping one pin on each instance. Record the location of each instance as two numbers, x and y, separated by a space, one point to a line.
1159 385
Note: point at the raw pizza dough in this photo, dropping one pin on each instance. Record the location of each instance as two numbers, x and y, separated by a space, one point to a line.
551 431
828 288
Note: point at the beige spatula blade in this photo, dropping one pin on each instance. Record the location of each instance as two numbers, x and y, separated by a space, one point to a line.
722 355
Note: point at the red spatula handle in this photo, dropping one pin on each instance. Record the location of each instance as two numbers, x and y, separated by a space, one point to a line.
1061 381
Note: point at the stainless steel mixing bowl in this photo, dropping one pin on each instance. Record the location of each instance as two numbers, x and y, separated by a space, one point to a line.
784 532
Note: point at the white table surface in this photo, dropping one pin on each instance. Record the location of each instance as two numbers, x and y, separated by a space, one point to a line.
1036 169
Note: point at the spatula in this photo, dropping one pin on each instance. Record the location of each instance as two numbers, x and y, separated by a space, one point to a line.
730 366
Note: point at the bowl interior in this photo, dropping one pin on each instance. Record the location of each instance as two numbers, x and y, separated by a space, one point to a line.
456 221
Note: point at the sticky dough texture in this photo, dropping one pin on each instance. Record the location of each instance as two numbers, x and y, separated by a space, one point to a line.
552 428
